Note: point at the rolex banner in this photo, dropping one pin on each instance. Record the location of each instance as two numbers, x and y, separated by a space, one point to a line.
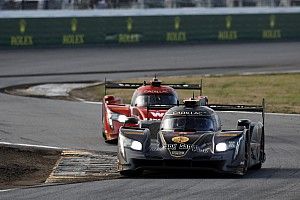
76 31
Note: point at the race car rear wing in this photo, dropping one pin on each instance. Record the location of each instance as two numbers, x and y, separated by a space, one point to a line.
246 108
180 86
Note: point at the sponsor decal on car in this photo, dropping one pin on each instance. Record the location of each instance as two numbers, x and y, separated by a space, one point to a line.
161 91
180 150
188 113
178 153
180 139
157 114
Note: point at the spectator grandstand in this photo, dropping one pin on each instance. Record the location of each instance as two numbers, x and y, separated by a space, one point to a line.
110 4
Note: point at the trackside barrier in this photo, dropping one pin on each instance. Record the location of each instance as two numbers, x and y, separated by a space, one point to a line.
77 31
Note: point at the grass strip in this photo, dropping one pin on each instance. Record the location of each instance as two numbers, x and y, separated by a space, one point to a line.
281 91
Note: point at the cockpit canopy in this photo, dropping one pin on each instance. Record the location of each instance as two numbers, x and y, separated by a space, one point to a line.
190 119
154 99
189 123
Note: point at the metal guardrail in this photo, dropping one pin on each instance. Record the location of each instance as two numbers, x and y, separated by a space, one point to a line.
115 4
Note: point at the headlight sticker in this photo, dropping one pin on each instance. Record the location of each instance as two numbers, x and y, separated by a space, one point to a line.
231 144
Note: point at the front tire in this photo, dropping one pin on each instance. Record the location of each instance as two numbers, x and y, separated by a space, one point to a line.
114 141
262 153
104 135
246 155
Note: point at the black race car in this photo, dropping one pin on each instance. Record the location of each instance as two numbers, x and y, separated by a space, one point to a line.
190 137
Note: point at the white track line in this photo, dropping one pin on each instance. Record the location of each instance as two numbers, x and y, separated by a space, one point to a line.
276 114
30 145
8 190
89 102
267 72
92 102
284 114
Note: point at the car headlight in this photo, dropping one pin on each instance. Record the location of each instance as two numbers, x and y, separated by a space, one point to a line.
224 146
136 145
221 147
122 118
126 142
116 117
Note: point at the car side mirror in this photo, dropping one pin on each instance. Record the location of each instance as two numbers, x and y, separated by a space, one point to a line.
243 123
131 122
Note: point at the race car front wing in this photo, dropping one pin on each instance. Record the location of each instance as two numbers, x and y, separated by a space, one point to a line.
137 152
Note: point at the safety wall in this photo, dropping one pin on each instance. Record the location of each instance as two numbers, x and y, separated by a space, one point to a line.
78 31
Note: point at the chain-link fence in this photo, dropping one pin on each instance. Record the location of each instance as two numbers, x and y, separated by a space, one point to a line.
110 4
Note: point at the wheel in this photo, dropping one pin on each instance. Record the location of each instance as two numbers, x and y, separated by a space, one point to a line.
245 168
247 153
104 136
114 141
261 154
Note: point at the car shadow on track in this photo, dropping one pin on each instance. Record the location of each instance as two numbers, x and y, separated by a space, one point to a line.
274 173
264 173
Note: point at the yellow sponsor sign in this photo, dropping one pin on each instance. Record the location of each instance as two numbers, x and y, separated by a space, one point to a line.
22 25
74 25
228 34
129 24
271 33
228 22
73 39
128 38
21 40
177 35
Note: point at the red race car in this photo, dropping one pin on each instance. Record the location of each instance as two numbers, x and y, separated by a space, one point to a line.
149 103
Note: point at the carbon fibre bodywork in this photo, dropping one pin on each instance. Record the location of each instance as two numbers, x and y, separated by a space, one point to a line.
229 151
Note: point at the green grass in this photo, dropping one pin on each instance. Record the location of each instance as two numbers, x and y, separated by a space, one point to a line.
281 91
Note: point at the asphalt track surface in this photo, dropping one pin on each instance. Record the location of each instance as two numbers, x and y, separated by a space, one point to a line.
76 125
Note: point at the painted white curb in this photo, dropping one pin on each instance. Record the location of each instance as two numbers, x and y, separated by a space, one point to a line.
8 144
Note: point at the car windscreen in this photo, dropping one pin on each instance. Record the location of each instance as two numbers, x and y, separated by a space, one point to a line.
188 123
155 99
